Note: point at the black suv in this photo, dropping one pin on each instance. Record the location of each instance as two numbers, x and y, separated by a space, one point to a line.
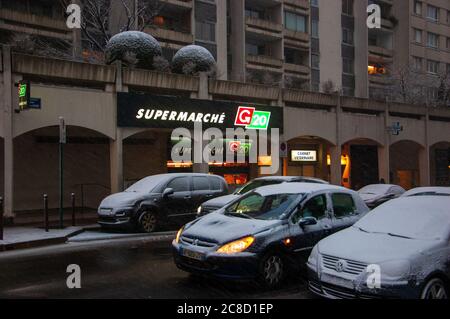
169 198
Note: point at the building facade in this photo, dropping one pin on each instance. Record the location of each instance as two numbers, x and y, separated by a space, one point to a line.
269 54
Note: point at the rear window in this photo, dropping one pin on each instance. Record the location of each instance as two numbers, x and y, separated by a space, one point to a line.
343 205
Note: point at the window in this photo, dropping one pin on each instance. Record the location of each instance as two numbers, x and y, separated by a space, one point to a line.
417 63
205 31
432 67
347 36
253 49
347 7
216 184
315 28
418 35
343 205
295 22
253 13
315 61
432 13
314 3
348 66
180 184
418 7
316 207
433 40
201 184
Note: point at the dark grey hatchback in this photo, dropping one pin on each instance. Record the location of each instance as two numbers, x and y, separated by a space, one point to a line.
159 198
261 234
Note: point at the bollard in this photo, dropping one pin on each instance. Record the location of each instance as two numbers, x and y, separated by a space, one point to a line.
1 218
73 208
46 212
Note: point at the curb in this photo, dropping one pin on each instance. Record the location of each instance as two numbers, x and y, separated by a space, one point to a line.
40 242
154 236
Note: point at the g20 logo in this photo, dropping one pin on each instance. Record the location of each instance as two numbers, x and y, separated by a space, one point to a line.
251 118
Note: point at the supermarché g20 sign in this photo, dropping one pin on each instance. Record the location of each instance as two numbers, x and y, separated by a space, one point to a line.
156 111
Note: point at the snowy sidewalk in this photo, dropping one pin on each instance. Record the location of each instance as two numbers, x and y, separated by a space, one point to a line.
28 237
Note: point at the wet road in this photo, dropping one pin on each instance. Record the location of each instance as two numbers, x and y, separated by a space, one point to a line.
128 268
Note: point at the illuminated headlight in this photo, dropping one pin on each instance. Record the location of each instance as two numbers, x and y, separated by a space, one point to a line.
395 269
177 238
199 209
236 246
313 257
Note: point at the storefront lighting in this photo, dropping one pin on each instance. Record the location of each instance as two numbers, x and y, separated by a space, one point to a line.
344 160
264 160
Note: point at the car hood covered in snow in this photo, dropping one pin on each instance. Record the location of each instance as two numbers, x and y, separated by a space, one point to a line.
221 229
221 201
122 199
372 248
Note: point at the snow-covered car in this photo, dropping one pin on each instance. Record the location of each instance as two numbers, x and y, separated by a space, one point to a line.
401 249
219 202
377 194
263 233
163 198
426 191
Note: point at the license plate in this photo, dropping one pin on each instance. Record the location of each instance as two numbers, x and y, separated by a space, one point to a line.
192 254
337 281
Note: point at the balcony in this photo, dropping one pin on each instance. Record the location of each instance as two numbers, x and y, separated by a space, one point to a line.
167 35
297 69
264 28
183 4
263 60
34 24
379 80
296 39
300 4
387 24
380 55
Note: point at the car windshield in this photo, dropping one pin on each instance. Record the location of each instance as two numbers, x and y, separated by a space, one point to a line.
269 207
410 217
255 184
146 185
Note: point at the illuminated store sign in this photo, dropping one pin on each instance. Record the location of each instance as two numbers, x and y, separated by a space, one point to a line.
155 111
303 156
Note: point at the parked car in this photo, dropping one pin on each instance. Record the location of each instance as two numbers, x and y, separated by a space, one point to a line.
219 202
405 241
422 191
263 233
160 198
377 194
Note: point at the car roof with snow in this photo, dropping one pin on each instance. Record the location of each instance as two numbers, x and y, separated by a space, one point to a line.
289 178
299 188
429 191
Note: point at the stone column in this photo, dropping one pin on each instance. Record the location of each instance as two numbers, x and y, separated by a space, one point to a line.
424 157
237 8
336 169
383 163
8 134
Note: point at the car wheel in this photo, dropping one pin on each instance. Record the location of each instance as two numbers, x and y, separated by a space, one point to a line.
434 289
148 222
272 270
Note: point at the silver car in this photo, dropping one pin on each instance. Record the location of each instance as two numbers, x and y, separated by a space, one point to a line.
399 250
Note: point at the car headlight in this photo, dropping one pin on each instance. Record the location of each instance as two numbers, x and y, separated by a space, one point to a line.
199 209
236 246
395 269
314 256
177 238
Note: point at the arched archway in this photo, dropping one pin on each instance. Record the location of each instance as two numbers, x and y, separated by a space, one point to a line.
363 162
408 164
440 164
36 168
145 153
308 156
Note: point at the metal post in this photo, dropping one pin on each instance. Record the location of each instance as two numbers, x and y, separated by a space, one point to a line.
62 141
73 208
46 212
1 218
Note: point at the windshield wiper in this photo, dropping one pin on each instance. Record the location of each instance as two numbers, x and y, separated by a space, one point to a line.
236 214
401 236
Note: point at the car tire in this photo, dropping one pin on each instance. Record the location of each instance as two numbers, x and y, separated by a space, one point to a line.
435 288
148 222
272 270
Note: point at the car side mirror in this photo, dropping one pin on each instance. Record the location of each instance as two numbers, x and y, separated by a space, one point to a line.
307 221
167 192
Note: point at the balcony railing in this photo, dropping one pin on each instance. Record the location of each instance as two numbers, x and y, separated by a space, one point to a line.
171 35
304 4
265 61
178 3
34 20
380 51
297 68
264 25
